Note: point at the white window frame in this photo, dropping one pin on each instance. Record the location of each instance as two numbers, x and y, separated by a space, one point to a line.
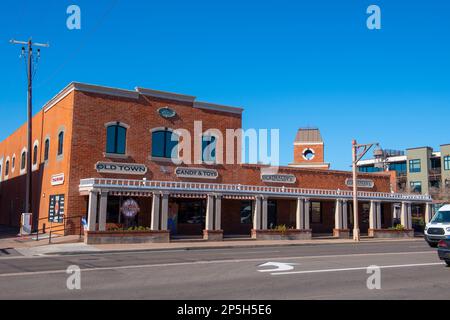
8 159
24 170
35 166
13 163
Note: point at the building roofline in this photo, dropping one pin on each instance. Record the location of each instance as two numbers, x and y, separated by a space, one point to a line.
165 95
134 94
217 107
425 147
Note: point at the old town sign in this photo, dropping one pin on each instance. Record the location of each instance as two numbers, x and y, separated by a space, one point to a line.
196 173
362 183
121 168
278 178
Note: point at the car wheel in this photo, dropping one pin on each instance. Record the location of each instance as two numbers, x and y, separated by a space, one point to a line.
447 262
433 244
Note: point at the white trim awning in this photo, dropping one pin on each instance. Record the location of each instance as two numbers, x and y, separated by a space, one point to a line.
226 190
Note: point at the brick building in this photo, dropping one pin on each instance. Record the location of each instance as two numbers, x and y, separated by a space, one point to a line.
107 154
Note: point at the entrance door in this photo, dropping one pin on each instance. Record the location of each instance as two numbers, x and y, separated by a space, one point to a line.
271 214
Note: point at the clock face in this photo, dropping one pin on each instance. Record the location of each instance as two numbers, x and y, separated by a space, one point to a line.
308 154
167 113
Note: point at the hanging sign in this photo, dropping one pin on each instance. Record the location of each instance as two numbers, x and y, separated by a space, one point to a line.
130 208
198 173
278 178
57 179
121 168
362 183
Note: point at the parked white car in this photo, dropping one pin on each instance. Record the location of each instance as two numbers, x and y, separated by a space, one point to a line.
439 227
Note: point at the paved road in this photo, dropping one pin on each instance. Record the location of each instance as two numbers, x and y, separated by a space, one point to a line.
409 270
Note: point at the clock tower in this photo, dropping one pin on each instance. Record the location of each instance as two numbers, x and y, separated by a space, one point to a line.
309 150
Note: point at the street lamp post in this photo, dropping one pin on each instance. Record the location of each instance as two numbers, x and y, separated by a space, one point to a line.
359 151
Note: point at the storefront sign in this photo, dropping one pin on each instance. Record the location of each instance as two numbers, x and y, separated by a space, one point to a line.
198 173
362 183
56 208
121 168
57 179
130 208
278 178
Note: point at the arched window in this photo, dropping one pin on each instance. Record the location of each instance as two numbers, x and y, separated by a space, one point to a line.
35 151
164 144
46 149
7 168
60 143
209 148
13 163
116 139
23 160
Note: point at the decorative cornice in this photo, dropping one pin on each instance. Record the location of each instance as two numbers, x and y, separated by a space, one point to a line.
217 107
165 95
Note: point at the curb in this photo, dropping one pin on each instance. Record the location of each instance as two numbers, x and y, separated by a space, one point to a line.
215 247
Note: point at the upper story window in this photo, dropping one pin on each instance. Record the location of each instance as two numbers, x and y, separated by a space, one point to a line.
416 186
164 144
23 160
7 168
60 143
13 164
35 151
46 149
447 163
415 166
116 138
209 148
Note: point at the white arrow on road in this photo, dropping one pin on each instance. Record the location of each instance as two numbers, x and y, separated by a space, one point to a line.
279 266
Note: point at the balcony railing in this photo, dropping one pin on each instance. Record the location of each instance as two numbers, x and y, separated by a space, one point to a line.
87 185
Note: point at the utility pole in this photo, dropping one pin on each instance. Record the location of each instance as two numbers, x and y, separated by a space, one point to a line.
30 73
357 156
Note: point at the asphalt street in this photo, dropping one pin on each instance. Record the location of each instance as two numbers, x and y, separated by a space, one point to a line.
408 270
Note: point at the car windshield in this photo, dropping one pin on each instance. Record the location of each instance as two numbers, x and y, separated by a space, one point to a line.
442 217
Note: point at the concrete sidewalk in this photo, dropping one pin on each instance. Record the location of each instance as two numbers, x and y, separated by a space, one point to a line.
70 245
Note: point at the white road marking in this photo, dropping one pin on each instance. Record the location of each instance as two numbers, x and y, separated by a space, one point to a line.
359 268
279 266
143 266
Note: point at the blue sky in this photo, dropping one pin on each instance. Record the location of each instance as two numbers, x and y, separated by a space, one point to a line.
288 63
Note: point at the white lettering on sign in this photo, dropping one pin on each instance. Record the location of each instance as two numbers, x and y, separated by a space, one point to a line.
121 168
196 173
57 179
278 178
362 183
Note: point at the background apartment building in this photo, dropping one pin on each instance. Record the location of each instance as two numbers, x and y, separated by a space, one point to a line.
419 170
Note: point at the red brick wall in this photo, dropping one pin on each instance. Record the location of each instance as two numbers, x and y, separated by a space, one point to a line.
84 115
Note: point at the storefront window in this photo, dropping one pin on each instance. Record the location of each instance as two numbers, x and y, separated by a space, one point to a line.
246 212
316 212
164 144
191 211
